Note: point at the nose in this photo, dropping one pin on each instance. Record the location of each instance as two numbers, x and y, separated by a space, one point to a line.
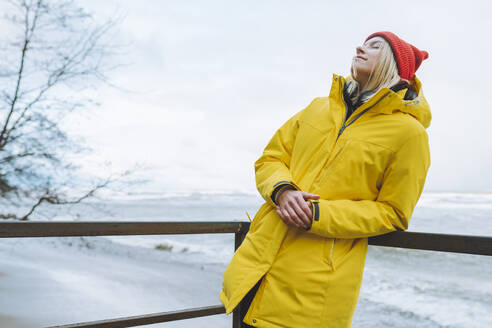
359 50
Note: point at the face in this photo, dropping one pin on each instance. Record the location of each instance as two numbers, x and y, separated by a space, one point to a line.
366 59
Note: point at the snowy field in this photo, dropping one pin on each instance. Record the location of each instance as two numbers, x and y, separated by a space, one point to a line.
66 280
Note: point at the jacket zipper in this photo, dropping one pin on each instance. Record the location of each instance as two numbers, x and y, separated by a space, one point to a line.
338 154
333 160
346 110
345 125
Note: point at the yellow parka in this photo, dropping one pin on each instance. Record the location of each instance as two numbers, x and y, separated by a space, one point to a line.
369 172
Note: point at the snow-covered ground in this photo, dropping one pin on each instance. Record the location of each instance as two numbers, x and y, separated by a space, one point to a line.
57 281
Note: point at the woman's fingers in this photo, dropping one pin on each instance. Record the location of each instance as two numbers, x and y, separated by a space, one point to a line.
301 212
294 217
285 216
295 209
306 206
308 195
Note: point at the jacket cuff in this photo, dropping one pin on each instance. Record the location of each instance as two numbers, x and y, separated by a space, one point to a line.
280 185
279 191
315 220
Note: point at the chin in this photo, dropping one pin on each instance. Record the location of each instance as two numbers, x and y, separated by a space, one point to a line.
359 69
356 71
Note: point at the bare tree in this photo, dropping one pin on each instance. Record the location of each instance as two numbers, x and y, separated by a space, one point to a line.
52 53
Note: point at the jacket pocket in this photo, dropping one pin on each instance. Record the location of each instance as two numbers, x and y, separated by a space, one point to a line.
328 251
329 243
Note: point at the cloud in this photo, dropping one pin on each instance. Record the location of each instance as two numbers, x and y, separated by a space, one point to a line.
213 81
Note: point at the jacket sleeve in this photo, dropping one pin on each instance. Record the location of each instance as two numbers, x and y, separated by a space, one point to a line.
402 185
272 169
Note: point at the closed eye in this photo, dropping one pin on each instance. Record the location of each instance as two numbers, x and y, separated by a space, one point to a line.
374 45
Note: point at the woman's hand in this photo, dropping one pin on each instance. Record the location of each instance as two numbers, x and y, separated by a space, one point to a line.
295 209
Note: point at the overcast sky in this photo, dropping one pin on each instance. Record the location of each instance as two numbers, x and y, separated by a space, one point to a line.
211 81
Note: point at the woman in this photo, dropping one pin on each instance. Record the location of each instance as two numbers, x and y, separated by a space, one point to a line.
349 166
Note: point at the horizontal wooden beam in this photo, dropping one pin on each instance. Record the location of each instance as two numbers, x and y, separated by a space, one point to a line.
479 245
98 228
148 319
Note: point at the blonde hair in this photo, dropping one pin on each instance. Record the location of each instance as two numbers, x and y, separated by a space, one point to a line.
384 75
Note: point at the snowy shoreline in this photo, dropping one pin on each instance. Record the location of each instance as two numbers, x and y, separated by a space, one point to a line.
69 280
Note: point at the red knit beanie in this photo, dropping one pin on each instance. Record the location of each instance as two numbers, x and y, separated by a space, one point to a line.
407 56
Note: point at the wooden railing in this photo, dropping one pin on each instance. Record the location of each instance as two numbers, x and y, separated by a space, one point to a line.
412 240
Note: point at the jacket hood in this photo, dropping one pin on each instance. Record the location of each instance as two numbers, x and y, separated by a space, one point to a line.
418 107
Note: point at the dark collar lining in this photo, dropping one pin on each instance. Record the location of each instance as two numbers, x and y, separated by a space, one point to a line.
352 107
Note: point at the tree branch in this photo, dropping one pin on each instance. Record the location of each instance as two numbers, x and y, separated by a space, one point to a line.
54 199
56 51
